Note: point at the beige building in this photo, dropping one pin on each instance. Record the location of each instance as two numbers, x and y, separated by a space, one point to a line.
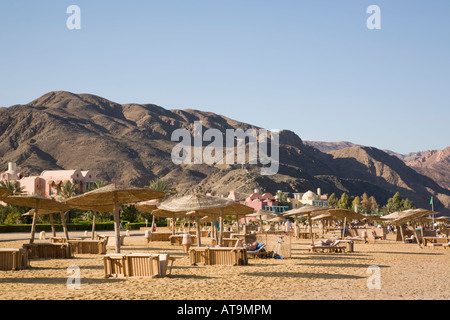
309 197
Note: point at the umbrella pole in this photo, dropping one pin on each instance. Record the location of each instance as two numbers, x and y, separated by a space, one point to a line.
63 221
93 225
153 223
33 226
197 225
173 224
116 222
401 232
343 228
53 225
310 229
238 228
221 228
415 233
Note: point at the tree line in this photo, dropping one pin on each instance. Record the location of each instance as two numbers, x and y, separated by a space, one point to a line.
366 204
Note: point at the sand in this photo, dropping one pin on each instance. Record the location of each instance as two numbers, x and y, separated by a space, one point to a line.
406 272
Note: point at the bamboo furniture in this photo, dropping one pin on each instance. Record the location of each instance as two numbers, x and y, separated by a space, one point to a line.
48 250
218 256
14 259
146 265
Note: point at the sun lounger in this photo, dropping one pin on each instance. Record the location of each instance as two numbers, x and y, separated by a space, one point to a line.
260 251
327 248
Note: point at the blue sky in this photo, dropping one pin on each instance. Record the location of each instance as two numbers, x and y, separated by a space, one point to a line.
312 67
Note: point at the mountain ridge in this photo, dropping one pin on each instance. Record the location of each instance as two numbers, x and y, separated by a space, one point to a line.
131 143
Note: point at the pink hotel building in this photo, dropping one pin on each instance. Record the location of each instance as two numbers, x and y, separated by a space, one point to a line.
47 182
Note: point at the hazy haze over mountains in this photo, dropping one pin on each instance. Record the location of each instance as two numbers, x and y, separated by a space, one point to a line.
132 143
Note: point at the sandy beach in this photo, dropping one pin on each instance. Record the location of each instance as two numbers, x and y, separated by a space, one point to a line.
406 272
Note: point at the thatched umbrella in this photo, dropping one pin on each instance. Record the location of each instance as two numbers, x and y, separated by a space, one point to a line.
161 213
4 192
345 214
308 211
391 216
199 204
412 215
148 206
38 203
277 220
113 195
234 209
43 212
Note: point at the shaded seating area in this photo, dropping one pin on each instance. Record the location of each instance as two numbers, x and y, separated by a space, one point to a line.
146 265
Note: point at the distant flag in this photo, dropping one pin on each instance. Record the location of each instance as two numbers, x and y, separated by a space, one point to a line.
431 201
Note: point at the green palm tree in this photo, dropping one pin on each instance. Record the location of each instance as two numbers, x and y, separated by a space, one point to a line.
13 186
162 185
67 189
98 185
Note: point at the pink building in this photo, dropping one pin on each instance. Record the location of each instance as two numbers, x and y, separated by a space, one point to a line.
48 181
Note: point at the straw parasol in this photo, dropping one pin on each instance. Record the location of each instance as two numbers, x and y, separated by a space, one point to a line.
345 214
4 192
44 212
411 215
148 206
391 216
308 211
200 204
38 203
112 196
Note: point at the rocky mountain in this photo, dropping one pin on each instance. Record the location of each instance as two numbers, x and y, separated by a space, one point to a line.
434 164
132 143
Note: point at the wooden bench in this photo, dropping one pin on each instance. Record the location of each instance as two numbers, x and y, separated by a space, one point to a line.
14 259
48 250
218 256
145 265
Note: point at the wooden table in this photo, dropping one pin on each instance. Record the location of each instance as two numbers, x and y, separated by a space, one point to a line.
218 256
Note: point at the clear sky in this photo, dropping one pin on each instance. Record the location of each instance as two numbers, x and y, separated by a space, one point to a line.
312 67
